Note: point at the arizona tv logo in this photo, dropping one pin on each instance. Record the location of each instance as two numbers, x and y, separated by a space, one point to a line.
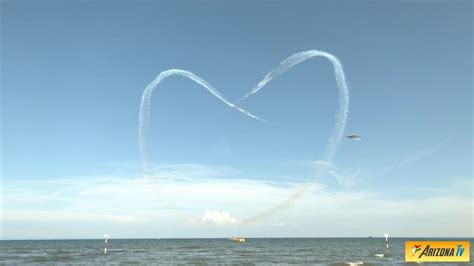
441 251
415 249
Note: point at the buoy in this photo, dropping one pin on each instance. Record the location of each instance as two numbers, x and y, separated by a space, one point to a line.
106 237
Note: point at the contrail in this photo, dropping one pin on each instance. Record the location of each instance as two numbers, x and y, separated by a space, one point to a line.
418 155
285 65
144 115
336 136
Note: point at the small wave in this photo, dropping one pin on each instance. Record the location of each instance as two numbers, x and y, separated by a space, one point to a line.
117 250
190 247
39 259
53 258
354 263
61 258
379 255
243 252
305 250
58 252
139 251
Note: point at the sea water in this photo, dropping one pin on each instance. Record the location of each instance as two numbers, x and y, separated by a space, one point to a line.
320 251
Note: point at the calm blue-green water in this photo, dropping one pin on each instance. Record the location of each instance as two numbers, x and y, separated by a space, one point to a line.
323 251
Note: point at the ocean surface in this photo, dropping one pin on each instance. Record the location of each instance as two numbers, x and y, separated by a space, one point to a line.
313 251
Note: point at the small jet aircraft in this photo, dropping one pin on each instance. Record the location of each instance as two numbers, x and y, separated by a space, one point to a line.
354 136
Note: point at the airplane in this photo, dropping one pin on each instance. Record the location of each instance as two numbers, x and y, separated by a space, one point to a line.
354 136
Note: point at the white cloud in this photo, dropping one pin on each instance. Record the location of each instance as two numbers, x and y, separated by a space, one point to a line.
136 207
217 218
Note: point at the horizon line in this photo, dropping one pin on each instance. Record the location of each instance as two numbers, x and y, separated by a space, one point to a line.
271 237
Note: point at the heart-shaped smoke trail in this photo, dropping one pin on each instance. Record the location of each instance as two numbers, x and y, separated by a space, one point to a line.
285 65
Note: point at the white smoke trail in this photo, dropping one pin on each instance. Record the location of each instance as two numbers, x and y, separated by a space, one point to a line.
298 58
144 115
341 117
285 65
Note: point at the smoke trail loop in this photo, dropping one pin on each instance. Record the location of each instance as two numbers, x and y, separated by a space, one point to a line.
145 106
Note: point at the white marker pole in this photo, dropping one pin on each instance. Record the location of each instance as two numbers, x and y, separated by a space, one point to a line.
386 240
106 237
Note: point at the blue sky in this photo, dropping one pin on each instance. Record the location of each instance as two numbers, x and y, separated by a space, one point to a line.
73 75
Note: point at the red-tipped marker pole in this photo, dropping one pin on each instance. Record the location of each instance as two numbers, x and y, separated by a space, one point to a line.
106 237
